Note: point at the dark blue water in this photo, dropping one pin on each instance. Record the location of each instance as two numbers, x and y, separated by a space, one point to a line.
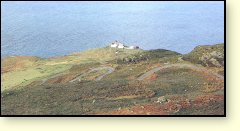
48 29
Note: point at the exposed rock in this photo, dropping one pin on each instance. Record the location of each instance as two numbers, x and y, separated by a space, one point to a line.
213 59
210 56
161 99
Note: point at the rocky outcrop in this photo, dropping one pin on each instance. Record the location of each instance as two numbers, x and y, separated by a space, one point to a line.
214 58
210 56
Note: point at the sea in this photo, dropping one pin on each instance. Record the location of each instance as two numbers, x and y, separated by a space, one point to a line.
48 29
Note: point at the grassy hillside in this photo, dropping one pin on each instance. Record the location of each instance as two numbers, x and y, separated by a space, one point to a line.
22 70
45 86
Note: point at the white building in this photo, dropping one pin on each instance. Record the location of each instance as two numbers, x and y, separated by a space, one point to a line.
114 45
117 44
121 46
132 47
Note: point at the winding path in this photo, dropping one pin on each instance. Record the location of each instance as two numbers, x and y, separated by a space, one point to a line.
110 70
145 75
189 66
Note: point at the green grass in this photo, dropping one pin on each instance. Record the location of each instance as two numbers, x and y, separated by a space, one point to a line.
22 78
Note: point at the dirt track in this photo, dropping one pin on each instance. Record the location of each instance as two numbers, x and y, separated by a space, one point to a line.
189 66
145 75
110 70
